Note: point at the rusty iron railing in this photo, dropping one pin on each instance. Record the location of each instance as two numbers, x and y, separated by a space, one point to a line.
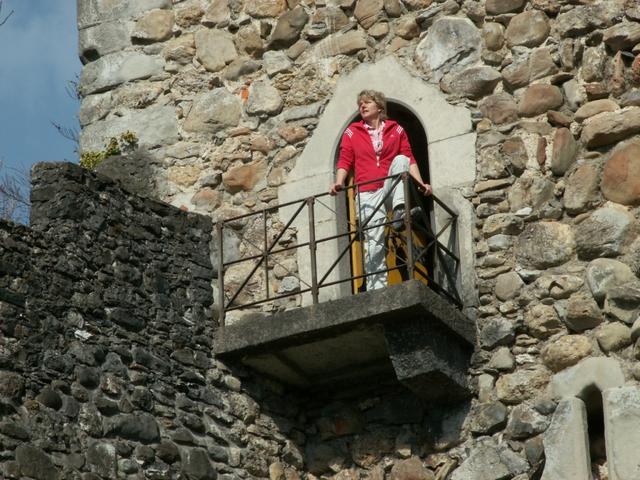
443 276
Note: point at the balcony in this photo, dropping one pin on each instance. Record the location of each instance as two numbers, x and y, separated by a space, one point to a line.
412 332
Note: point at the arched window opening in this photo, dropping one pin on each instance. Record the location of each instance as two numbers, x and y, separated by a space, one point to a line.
396 244
592 398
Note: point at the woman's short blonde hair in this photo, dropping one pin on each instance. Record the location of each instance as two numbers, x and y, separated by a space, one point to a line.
379 99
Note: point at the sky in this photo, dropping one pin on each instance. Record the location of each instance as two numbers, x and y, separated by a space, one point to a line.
38 58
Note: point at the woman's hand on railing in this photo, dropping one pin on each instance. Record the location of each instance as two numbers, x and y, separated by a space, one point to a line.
338 185
335 188
424 188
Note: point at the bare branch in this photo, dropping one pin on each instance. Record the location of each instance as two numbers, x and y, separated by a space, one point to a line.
69 133
3 21
73 88
15 185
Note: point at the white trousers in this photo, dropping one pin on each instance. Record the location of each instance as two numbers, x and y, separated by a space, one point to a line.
374 244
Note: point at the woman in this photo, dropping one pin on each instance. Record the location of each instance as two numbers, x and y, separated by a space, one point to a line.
373 148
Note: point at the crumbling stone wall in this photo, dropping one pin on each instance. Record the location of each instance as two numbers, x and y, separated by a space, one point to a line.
105 344
227 93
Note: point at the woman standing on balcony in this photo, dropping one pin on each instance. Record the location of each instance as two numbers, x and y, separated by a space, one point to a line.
374 148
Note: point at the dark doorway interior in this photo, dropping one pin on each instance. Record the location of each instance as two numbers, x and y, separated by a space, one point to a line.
592 398
415 132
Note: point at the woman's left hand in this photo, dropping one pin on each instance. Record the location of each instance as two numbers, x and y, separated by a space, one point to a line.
426 189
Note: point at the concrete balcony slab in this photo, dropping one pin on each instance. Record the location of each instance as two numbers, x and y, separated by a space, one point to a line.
405 333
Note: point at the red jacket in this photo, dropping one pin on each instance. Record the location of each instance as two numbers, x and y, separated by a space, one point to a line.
356 152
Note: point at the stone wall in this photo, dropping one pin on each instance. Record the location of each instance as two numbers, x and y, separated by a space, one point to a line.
226 94
105 341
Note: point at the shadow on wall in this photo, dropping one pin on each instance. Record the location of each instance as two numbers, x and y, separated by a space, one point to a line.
362 431
139 172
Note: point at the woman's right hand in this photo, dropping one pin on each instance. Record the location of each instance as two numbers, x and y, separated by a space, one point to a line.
335 188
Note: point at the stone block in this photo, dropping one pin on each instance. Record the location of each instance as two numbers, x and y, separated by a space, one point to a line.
620 175
288 28
611 127
526 422
528 29
581 190
411 468
497 331
213 111
451 45
264 99
504 462
498 7
595 107
92 12
428 359
531 190
35 463
101 457
564 151
622 431
566 444
341 44
613 337
623 36
474 82
635 330
105 38
545 244
153 126
487 418
623 302
114 69
604 232
214 49
522 384
582 313
538 99
604 274
499 108
565 351
155 26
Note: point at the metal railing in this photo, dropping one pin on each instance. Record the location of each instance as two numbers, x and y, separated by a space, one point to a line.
442 273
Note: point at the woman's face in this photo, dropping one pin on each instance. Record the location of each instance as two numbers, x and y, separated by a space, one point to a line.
369 110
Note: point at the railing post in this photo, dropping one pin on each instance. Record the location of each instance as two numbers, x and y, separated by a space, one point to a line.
408 223
265 256
221 310
361 236
312 249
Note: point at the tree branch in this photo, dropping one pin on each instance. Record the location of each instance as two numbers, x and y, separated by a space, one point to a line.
3 21
69 133
14 193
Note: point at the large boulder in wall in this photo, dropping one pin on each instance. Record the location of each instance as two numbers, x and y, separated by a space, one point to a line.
621 175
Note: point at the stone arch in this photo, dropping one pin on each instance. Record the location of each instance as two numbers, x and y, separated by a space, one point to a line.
599 373
591 395
451 153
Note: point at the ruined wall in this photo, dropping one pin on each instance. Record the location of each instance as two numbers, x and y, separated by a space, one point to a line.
226 95
105 344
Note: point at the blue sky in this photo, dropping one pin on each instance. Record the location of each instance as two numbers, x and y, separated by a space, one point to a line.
38 56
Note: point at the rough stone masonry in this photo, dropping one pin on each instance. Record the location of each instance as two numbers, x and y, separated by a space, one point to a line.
225 94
